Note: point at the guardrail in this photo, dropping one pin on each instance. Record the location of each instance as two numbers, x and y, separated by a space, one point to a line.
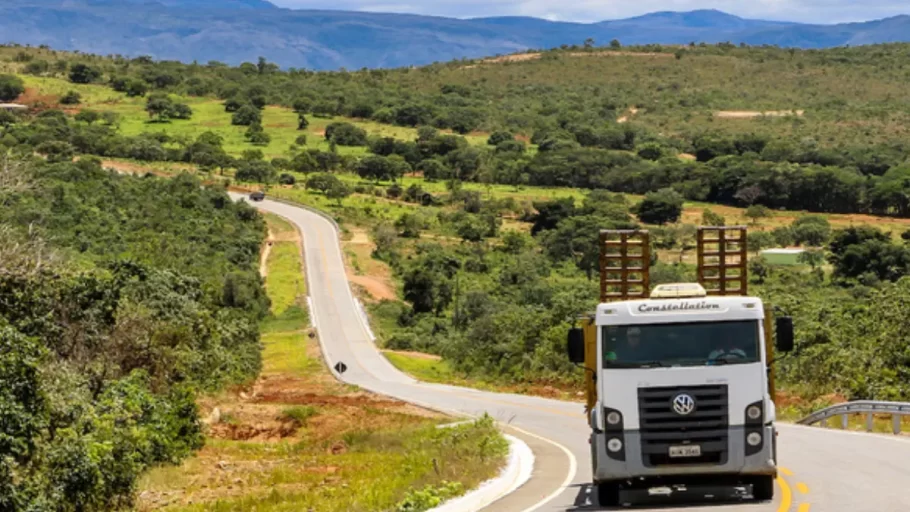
870 408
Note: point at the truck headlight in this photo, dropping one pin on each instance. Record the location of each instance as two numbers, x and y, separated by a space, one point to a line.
753 412
614 445
754 439
614 418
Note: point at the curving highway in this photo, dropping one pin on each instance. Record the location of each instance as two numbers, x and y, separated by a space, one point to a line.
822 470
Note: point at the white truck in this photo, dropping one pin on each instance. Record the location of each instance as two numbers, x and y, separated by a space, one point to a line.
679 381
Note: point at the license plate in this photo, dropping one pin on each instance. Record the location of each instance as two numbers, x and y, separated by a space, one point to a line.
689 450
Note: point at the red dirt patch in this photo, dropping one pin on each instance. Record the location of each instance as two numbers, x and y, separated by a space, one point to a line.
32 98
378 288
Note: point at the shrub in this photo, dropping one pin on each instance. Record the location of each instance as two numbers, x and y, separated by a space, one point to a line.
71 98
10 87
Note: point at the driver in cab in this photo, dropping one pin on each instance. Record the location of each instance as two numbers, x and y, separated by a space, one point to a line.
726 350
629 350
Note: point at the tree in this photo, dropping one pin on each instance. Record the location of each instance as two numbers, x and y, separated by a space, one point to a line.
382 168
759 240
287 179
322 182
84 74
302 105
709 218
757 211
136 88
232 104
410 225
338 192
812 230
651 151
346 134
37 67
498 137
550 213
615 44
159 105
856 251
88 116
304 163
71 98
661 207
56 150
11 87
759 269
258 171
813 258
302 123
246 116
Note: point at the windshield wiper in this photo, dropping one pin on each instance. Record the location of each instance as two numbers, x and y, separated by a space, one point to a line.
729 359
636 364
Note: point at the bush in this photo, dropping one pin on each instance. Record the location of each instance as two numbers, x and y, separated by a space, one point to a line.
246 115
10 87
499 137
299 414
71 98
346 134
287 179
661 207
84 74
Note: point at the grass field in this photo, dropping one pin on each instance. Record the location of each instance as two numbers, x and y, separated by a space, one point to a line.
209 115
299 440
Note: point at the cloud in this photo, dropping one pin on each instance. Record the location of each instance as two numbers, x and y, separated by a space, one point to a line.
808 11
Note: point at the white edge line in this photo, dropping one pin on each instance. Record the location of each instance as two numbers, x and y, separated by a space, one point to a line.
573 463
516 473
309 305
570 475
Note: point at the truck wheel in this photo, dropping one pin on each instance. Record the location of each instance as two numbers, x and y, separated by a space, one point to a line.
608 494
763 488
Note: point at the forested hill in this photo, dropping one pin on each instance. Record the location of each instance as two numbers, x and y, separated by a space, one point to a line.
242 30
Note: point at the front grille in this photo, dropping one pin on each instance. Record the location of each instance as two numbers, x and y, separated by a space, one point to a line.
662 427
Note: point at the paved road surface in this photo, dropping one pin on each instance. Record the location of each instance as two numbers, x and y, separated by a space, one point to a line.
822 470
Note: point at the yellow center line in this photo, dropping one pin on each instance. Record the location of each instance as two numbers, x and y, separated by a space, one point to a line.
804 507
802 488
786 471
786 495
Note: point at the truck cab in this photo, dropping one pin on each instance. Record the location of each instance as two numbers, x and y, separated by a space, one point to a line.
678 379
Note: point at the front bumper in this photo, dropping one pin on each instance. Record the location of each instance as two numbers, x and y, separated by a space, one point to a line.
737 462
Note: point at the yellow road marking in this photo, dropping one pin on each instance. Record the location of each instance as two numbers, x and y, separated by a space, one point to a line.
804 507
802 488
786 471
786 495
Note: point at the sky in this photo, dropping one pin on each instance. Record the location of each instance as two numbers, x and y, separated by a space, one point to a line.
807 11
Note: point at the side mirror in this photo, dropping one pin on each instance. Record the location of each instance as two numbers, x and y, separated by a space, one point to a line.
783 334
576 345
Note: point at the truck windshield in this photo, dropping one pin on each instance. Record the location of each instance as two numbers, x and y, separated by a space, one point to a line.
683 344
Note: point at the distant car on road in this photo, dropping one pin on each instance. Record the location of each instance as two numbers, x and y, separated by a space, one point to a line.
257 196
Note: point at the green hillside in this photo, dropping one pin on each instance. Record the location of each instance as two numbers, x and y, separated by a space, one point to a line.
482 185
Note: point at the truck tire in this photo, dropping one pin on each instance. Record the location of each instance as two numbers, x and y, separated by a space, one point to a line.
608 494
763 488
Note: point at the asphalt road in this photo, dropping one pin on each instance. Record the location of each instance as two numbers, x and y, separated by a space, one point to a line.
822 470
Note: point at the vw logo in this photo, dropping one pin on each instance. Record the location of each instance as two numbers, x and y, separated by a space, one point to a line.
683 404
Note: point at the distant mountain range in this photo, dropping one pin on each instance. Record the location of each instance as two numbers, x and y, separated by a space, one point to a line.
235 31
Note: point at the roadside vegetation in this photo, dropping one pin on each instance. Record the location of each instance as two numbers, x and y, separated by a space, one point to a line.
296 439
121 299
473 192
